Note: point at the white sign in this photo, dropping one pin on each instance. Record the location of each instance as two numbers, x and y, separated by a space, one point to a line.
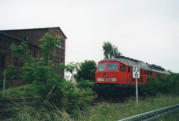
136 72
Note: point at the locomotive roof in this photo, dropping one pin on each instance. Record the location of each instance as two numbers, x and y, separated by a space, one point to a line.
138 63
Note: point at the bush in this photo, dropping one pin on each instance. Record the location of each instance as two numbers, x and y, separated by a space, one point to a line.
77 97
47 82
86 84
86 71
151 87
161 84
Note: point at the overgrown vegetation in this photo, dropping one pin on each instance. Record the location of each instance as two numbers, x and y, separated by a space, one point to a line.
103 111
83 71
21 92
168 84
46 78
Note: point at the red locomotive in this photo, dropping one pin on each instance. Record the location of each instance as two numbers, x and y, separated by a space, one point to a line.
119 72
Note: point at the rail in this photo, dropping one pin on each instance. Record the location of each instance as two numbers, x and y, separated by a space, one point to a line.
152 114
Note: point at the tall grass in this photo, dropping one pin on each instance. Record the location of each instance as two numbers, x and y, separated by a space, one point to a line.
29 113
20 92
116 111
100 112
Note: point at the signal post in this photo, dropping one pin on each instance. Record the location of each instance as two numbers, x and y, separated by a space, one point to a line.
136 75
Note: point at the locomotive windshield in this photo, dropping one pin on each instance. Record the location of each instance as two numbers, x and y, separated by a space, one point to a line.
101 67
112 67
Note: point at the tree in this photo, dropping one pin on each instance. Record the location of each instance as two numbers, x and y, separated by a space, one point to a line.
86 71
44 76
47 48
40 72
110 51
72 67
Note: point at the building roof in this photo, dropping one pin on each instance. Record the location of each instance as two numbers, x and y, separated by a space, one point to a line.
138 63
14 38
34 29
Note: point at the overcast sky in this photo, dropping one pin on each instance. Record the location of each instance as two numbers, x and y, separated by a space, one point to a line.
147 30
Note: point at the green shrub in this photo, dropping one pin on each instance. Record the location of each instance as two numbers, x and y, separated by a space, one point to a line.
47 83
161 84
151 87
77 97
86 71
85 84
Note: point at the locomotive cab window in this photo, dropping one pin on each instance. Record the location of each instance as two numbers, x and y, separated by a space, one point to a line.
101 67
112 67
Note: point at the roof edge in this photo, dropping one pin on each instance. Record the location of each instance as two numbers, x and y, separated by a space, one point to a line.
40 28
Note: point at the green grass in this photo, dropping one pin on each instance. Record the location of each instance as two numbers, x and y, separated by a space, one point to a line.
101 112
20 92
116 111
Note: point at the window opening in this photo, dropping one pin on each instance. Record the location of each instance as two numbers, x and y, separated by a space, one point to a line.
112 67
101 67
122 68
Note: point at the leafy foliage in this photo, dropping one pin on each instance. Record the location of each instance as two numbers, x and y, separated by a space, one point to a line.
85 84
86 71
13 73
72 67
151 87
20 51
162 84
110 51
45 77
47 48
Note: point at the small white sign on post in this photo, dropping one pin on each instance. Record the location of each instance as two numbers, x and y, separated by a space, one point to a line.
136 72
136 75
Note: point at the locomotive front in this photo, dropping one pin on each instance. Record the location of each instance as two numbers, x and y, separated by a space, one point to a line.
107 72
110 78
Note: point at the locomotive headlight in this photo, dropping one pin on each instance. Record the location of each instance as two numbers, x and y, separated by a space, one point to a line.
112 79
100 79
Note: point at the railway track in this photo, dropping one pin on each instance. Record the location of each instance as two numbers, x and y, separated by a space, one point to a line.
151 115
9 107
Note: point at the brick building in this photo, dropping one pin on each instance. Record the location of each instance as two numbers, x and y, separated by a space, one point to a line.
32 37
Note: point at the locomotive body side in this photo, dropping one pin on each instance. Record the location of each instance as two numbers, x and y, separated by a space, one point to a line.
119 73
115 72
115 76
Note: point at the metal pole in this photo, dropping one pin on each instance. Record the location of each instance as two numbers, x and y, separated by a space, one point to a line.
137 101
4 84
